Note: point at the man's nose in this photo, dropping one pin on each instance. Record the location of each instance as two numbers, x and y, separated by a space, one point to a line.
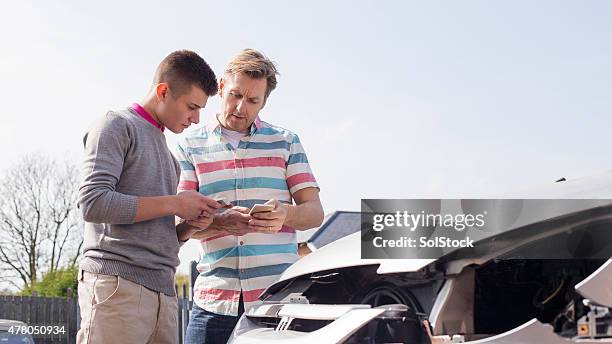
241 106
195 119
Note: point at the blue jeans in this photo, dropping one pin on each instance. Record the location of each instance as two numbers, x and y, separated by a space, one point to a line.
210 328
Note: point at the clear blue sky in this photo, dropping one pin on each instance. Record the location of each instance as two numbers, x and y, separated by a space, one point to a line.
391 99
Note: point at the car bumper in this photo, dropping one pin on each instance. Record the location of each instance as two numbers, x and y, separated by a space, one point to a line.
269 323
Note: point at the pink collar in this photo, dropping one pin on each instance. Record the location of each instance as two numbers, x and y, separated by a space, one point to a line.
144 114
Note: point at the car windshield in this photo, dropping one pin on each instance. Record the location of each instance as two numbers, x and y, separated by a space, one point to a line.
8 338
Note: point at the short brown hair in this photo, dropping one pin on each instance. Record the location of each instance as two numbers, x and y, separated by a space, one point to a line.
184 68
255 65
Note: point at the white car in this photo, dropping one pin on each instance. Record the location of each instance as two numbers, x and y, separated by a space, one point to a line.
487 294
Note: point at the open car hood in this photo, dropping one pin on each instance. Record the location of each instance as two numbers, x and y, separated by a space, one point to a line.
538 220
343 253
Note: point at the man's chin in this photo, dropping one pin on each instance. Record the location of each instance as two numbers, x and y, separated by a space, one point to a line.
177 130
238 126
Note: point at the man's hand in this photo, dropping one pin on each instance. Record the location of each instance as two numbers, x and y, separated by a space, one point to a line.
234 221
186 229
200 223
270 221
192 205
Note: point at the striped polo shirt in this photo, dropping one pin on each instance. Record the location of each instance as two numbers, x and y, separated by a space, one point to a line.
269 162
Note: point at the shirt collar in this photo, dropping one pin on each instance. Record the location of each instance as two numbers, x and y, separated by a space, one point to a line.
215 126
144 114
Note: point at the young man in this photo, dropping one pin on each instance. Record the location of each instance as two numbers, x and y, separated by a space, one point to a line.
244 161
129 202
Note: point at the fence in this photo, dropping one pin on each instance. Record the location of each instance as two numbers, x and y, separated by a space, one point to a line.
65 311
38 311
184 307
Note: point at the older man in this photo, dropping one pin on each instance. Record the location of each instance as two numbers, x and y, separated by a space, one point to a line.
242 160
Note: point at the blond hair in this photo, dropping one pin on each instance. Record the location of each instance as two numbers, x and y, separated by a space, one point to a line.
255 65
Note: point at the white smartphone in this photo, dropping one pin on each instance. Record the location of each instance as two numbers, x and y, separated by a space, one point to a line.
261 208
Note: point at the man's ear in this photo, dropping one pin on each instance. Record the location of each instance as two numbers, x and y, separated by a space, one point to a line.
221 86
161 91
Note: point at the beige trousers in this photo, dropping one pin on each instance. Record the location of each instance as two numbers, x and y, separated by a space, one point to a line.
115 310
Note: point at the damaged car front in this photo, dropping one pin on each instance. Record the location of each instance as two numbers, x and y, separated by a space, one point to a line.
495 292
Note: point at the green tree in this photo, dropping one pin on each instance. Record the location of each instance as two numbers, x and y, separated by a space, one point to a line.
40 227
183 279
55 283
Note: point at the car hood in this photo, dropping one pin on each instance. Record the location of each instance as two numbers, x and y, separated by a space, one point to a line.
346 252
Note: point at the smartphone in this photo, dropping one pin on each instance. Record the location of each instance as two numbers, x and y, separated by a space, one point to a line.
261 208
